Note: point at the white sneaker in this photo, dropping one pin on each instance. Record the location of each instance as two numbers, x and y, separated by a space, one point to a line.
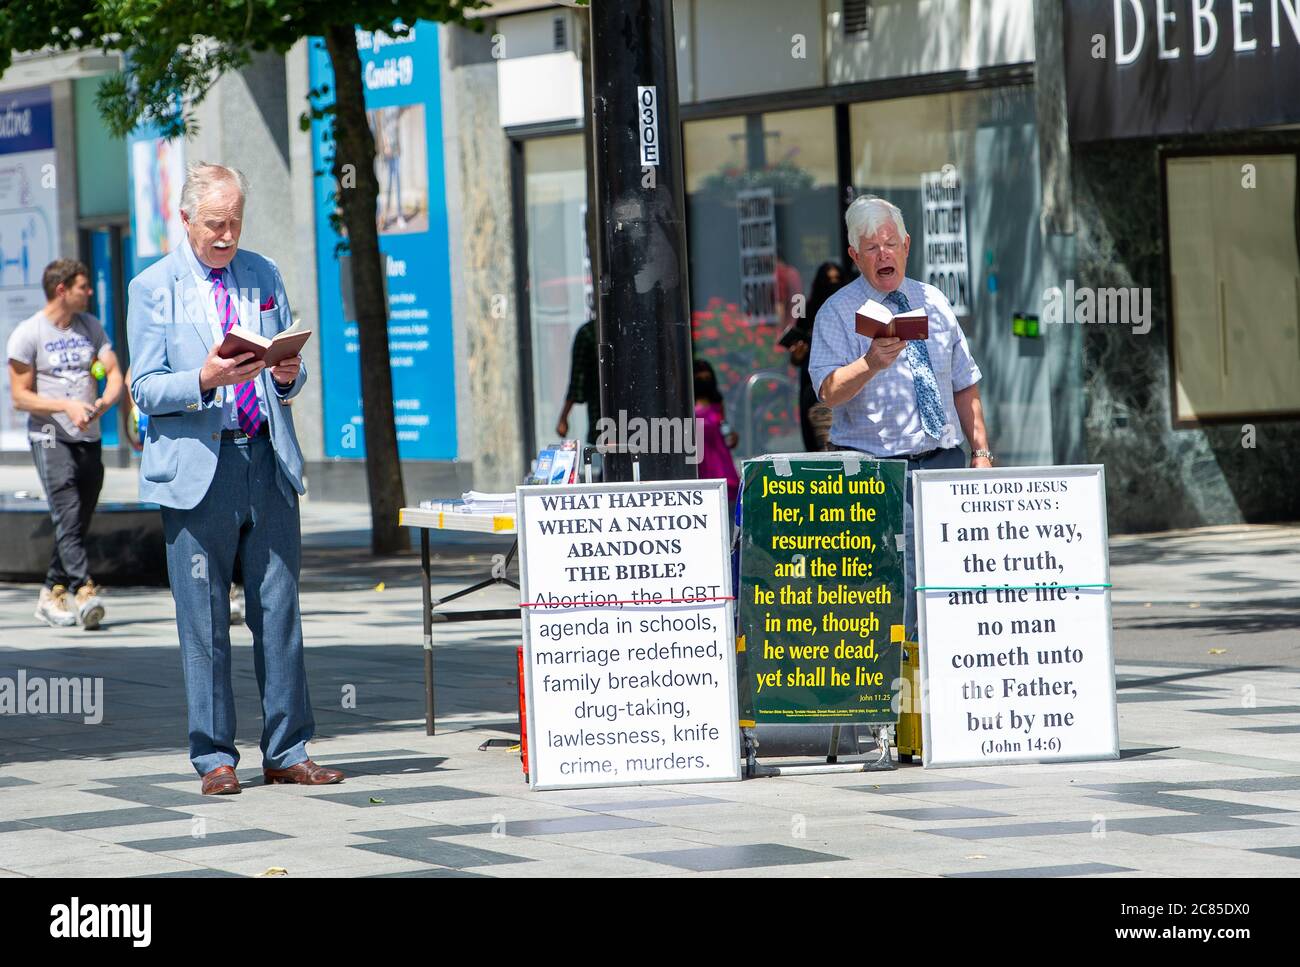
236 604
90 610
52 607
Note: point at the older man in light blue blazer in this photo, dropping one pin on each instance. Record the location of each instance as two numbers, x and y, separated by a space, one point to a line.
222 459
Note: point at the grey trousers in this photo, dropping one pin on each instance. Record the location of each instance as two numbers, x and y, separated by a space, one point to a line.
243 517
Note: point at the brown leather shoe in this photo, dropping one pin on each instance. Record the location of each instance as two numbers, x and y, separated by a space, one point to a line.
305 773
221 781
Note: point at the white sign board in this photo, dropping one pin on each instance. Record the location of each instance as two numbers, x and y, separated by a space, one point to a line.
756 209
946 258
647 109
629 638
1013 597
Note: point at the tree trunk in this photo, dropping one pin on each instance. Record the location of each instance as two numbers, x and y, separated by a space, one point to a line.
358 194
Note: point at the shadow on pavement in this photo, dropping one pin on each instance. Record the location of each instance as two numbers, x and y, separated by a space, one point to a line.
1238 618
354 688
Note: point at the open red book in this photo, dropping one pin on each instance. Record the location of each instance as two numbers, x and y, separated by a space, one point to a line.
271 351
874 320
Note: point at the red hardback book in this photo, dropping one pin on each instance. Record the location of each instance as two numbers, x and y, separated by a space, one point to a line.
285 345
874 320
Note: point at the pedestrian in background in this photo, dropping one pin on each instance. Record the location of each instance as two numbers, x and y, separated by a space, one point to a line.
584 382
717 440
814 416
54 358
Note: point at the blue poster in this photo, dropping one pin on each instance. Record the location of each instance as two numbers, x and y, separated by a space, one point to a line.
156 168
101 271
404 107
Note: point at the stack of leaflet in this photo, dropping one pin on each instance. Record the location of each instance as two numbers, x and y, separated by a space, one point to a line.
478 511
476 502
475 511
473 502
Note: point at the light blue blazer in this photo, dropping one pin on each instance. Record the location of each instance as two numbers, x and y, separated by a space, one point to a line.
170 337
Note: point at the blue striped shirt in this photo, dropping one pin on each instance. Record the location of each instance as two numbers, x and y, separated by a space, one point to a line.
883 419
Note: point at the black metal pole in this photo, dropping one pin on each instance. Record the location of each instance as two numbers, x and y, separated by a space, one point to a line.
643 304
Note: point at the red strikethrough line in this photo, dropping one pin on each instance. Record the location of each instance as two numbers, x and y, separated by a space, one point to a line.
601 604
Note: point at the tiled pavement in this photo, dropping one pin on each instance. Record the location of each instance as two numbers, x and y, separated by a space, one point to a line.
1209 784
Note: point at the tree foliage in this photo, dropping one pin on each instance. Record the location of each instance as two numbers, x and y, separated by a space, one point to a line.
177 49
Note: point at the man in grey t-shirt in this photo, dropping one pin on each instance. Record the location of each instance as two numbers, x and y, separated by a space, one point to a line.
54 361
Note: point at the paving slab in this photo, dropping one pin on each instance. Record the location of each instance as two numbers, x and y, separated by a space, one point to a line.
1208 783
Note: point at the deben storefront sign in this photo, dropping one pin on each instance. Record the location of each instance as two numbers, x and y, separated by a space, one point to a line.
1140 68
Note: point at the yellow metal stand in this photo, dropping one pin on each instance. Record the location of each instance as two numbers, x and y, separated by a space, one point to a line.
909 710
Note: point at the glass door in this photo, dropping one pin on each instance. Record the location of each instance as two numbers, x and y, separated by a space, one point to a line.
558 282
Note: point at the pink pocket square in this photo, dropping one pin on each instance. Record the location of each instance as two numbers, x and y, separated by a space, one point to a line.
269 303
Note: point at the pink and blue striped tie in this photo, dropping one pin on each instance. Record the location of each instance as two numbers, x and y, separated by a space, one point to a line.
247 409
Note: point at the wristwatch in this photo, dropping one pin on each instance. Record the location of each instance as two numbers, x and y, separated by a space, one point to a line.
986 454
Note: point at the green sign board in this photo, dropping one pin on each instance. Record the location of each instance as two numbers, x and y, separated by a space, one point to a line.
821 589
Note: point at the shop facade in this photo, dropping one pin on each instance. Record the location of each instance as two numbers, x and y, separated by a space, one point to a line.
1184 152
1034 175
77 191
788 111
45 215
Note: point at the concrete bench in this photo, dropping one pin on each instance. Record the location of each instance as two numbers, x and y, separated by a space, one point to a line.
125 544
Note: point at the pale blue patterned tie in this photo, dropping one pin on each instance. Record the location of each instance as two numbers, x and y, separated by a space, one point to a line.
928 400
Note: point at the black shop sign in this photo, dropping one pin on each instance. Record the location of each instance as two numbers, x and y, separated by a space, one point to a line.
1138 68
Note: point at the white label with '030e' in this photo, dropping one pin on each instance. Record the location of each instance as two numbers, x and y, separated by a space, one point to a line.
647 108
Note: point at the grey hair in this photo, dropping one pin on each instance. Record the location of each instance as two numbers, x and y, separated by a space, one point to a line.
867 214
201 176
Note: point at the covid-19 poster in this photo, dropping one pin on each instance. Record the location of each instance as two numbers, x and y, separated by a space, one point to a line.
28 226
400 73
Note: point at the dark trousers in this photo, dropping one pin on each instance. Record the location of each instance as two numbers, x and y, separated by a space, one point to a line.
807 400
72 475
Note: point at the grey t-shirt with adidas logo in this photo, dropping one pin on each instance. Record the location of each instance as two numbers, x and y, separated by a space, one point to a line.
62 359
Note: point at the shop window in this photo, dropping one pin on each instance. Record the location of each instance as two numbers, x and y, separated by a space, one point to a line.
763 213
559 275
1234 278
963 168
943 159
